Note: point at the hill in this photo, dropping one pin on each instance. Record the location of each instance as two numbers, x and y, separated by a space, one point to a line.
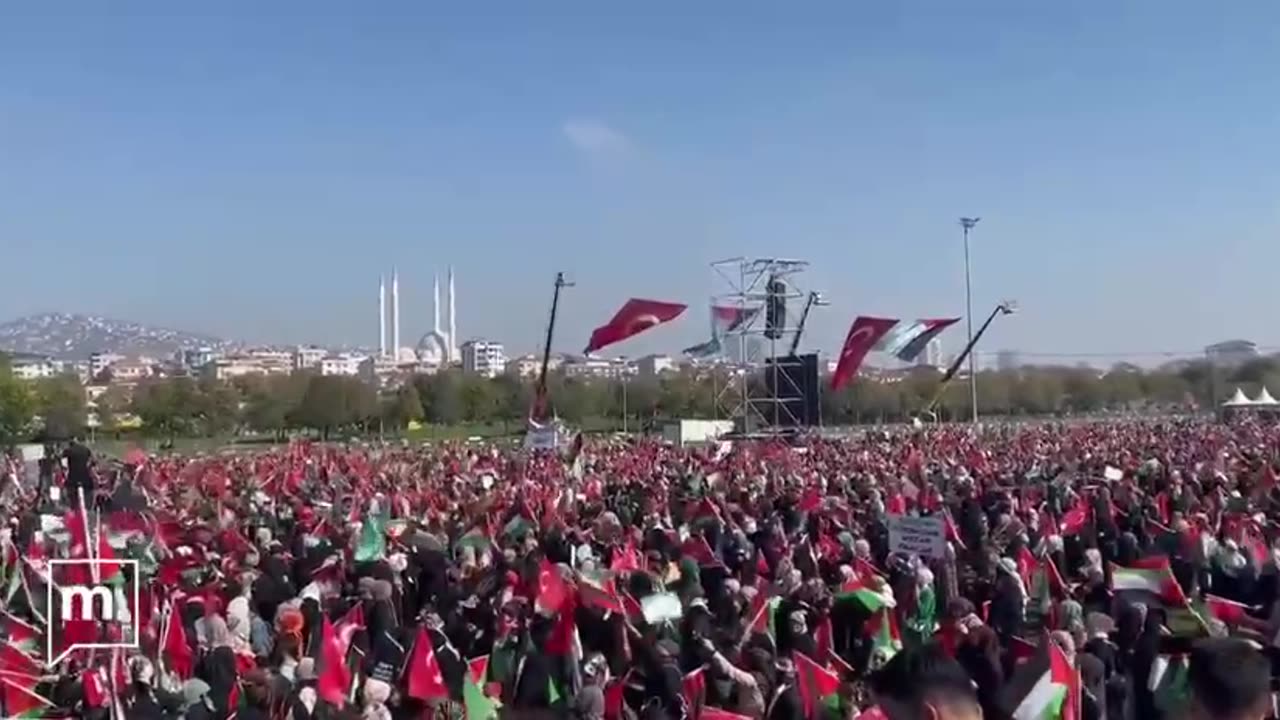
75 337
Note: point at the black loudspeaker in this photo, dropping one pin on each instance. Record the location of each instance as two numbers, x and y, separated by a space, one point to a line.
775 309
793 381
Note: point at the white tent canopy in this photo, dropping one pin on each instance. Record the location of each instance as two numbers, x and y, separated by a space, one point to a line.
1264 398
1239 400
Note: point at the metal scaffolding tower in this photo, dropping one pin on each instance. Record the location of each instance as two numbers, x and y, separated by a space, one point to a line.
757 348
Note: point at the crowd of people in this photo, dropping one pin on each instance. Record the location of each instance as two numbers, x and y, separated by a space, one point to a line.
1123 570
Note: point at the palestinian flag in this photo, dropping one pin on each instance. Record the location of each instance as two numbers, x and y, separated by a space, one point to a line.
474 538
1229 612
724 319
517 527
22 635
1168 682
475 700
886 638
869 598
817 684
1046 687
13 659
21 699
908 338
1155 585
1141 580
111 572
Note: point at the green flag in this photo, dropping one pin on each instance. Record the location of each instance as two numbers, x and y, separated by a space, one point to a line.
372 545
478 705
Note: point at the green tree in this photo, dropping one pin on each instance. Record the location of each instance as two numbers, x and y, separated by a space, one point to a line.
113 401
1122 386
170 408
402 407
61 402
478 399
512 399
360 402
17 405
217 409
324 406
1084 392
643 399
441 397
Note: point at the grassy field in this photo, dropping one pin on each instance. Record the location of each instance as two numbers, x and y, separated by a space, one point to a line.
117 447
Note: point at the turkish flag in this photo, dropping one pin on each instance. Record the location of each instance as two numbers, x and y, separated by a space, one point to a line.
635 317
424 679
334 677
177 652
863 335
552 590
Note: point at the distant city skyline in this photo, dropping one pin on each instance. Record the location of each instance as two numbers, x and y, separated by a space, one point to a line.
243 170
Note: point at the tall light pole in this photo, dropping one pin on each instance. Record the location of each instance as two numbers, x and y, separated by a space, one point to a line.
967 224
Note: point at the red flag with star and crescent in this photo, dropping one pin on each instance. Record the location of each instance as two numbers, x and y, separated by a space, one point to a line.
552 589
423 676
633 318
863 335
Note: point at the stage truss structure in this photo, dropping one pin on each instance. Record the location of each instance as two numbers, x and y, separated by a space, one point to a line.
751 392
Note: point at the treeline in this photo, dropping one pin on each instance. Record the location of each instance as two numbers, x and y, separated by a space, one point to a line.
279 405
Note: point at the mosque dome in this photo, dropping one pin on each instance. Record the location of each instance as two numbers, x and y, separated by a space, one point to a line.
433 348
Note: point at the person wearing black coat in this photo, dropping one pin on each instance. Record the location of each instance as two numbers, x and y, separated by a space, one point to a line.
1094 691
785 703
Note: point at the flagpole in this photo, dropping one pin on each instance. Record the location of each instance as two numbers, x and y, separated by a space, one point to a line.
967 224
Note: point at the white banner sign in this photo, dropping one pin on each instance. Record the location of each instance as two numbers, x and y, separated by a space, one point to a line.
923 536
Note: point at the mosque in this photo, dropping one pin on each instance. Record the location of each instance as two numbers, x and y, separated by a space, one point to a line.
437 347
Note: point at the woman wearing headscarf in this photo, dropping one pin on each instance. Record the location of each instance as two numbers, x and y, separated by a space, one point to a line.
376 694
255 697
1008 606
146 702
922 620
272 587
588 703
303 703
977 649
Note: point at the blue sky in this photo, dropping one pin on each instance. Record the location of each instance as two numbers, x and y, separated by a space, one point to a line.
248 169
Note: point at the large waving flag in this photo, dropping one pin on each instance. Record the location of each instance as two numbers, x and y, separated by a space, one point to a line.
909 338
633 318
724 319
863 335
